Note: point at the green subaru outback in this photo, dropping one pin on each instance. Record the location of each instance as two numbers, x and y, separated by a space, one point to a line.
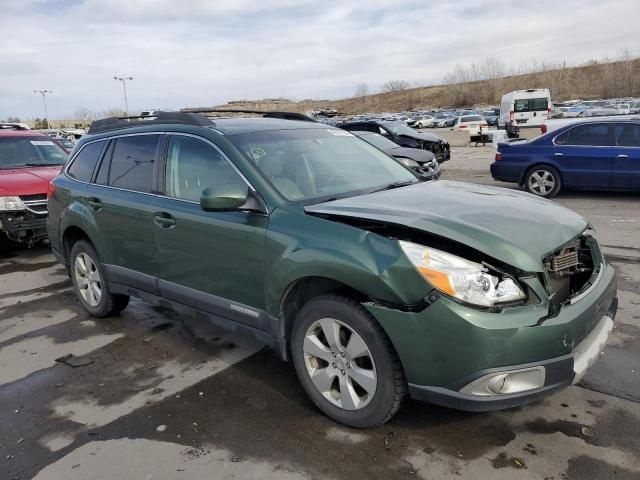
372 283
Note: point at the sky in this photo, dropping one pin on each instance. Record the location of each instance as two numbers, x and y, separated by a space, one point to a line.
186 53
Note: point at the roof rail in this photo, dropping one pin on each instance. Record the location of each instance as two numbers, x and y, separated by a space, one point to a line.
117 123
12 126
282 115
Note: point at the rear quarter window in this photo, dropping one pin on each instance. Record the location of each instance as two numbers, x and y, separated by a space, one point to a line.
85 162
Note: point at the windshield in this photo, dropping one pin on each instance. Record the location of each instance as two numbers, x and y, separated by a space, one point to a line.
317 164
399 128
378 141
18 152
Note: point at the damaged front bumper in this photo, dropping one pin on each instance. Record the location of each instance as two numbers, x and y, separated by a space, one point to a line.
468 359
24 226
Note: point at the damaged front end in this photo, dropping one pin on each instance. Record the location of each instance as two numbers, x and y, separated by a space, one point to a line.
28 224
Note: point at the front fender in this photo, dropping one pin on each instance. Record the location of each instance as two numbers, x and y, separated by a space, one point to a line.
301 245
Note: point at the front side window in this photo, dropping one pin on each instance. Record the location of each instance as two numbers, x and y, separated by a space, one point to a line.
193 166
628 135
318 163
132 162
530 105
596 135
35 151
85 162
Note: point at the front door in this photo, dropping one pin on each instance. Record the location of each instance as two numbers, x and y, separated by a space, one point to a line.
213 261
119 210
626 158
584 154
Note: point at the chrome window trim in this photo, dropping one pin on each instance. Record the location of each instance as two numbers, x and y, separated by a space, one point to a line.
66 173
596 122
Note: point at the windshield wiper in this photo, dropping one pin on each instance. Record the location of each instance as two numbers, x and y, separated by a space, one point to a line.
393 185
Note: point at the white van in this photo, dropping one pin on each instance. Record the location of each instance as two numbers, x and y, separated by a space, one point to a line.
525 108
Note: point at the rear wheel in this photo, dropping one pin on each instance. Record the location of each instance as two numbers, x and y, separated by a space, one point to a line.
346 363
543 181
90 283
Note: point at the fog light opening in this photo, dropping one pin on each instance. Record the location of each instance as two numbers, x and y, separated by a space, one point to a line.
506 383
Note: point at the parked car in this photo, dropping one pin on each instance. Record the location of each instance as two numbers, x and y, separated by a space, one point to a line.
474 124
403 135
491 117
28 161
424 122
421 161
593 155
371 282
64 142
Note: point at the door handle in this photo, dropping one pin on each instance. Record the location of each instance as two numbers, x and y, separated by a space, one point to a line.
558 154
164 220
94 203
623 156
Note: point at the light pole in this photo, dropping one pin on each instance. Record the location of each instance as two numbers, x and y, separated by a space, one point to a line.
44 101
124 89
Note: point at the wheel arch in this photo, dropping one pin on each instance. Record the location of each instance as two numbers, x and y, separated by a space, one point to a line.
70 235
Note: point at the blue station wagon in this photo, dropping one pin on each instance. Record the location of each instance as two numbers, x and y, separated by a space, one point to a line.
589 156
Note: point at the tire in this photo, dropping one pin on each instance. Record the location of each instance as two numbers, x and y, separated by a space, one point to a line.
543 181
100 305
360 407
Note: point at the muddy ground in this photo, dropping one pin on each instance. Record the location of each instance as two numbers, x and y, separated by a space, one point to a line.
167 397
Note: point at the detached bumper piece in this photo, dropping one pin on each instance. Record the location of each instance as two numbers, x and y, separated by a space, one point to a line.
23 227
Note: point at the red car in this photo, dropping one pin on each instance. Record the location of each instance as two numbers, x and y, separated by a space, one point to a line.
28 161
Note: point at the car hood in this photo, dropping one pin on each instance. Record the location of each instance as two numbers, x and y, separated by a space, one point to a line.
27 181
514 227
429 137
415 154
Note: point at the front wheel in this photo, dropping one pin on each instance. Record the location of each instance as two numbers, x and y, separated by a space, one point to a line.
89 282
543 181
346 363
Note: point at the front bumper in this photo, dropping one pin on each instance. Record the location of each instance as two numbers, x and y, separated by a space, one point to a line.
24 226
447 346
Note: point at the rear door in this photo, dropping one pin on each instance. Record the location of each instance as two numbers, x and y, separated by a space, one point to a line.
119 209
584 155
530 111
626 158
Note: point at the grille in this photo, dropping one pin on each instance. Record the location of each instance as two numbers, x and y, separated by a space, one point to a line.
37 196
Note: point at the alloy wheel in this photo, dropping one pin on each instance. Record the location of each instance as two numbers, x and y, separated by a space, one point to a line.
88 279
340 364
542 182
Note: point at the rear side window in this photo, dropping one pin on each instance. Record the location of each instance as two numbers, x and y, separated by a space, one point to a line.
530 104
471 118
132 162
85 162
596 135
628 135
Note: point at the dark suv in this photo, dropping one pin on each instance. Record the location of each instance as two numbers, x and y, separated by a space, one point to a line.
403 135
371 281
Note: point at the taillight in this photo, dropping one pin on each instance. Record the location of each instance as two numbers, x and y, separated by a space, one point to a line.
511 117
484 125
543 128
51 189
548 113
498 156
462 126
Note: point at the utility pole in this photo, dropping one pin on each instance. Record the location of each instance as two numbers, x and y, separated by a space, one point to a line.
44 101
124 89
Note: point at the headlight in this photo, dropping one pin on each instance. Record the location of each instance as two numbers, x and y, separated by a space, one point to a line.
407 162
465 280
11 203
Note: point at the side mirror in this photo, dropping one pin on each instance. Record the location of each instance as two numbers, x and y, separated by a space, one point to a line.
222 198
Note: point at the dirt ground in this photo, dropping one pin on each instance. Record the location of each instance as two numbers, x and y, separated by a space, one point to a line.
167 397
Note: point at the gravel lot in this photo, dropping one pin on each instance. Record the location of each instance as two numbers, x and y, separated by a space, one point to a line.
167 397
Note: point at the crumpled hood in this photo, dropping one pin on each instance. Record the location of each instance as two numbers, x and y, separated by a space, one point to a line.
514 227
27 181
429 137
415 154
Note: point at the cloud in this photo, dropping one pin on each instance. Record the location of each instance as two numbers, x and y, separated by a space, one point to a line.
202 52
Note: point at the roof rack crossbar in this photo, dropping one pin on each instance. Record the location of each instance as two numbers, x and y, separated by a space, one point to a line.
281 115
117 123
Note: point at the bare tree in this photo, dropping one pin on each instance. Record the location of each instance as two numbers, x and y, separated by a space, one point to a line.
84 115
362 90
395 86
